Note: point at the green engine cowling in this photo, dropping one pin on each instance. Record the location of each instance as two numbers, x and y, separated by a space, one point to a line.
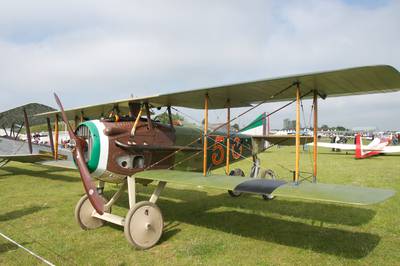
97 151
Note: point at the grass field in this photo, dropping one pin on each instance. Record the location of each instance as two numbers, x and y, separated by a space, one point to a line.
208 226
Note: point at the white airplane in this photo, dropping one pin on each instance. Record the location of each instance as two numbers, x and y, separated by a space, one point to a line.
377 146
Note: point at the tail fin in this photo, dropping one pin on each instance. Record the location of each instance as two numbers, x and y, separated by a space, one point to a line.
255 127
360 154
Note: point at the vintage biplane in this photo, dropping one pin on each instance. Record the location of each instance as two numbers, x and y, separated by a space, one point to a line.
375 147
119 142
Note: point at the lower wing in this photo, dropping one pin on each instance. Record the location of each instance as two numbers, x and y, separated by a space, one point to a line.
26 158
310 191
64 159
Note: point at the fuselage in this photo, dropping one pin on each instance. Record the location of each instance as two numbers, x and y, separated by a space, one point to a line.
112 153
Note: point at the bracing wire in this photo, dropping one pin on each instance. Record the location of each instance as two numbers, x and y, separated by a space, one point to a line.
224 124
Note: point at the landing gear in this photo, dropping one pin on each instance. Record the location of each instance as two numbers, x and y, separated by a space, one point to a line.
235 172
143 225
83 214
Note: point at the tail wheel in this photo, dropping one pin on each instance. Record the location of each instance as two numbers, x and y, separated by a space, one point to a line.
235 172
144 225
83 214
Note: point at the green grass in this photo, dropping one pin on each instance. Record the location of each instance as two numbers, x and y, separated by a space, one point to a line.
204 227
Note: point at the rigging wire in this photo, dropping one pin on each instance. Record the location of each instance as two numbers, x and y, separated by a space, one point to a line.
226 123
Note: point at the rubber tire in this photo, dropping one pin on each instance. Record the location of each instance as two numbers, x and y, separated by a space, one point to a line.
128 221
235 172
83 211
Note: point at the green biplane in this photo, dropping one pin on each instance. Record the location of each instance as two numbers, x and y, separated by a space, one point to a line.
119 142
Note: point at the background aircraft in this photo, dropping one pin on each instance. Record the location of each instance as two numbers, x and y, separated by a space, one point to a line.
375 147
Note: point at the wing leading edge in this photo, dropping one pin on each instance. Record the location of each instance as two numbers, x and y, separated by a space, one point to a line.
309 191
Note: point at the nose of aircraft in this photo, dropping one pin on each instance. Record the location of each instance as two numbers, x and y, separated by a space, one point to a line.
79 156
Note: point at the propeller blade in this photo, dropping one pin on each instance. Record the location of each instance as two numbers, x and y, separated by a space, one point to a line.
79 157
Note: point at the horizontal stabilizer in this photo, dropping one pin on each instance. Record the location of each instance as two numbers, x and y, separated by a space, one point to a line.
334 193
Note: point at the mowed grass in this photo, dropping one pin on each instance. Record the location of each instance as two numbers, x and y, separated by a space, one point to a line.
205 226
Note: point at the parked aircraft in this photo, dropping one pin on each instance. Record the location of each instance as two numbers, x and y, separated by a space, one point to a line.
114 146
375 147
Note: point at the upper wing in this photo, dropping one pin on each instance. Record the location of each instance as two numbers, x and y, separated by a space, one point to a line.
310 191
342 146
351 81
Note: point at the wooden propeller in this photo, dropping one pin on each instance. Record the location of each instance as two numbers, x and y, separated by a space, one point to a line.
78 154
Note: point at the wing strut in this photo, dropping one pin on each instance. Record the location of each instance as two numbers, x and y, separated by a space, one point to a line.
171 123
28 131
315 153
56 132
50 131
205 135
296 171
228 135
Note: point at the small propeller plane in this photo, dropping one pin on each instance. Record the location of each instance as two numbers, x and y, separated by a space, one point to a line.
375 147
118 142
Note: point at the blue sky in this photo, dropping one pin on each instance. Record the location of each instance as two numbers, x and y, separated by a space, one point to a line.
98 51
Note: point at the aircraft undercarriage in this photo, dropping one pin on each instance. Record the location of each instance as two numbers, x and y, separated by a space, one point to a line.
143 224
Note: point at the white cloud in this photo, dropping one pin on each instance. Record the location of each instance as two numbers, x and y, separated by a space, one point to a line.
103 50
